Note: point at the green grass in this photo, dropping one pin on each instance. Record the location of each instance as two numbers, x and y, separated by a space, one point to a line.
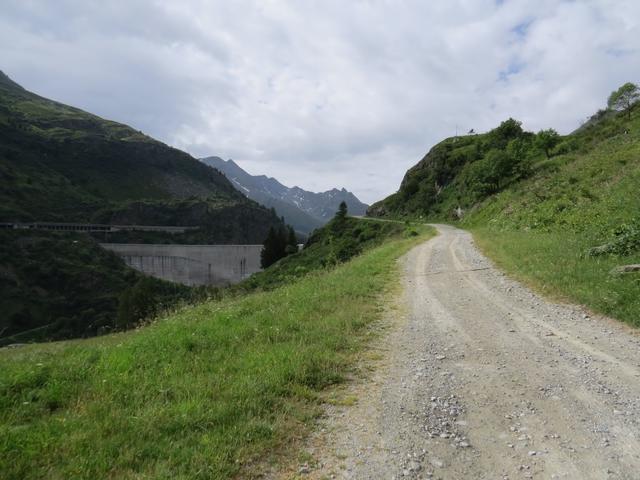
205 393
541 229
555 264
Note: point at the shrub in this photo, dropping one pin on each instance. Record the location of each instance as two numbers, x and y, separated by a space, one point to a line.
626 241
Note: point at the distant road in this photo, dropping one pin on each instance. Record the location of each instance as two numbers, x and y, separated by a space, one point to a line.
364 217
92 227
483 379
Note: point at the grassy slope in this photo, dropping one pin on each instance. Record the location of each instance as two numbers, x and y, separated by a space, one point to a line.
203 393
541 229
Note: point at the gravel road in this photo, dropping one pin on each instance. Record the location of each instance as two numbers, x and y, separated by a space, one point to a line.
482 379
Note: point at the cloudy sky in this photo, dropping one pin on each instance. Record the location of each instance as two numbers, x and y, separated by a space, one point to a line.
327 93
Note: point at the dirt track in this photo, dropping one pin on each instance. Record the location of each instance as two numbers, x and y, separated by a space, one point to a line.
481 378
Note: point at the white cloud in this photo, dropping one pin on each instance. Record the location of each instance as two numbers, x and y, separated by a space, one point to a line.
323 94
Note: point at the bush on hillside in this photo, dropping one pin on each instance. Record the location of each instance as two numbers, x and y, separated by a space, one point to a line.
626 241
500 136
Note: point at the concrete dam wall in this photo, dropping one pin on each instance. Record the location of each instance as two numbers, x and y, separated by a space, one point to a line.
191 264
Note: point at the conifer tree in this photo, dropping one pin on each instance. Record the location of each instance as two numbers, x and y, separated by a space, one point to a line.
342 210
292 241
268 253
279 243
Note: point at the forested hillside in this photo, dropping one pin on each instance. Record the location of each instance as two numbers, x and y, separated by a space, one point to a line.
58 163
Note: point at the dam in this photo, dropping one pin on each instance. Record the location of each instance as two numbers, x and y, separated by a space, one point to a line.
216 265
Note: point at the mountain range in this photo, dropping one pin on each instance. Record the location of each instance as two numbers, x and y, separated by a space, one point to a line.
302 209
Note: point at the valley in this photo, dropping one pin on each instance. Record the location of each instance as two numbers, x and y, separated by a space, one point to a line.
211 390
71 180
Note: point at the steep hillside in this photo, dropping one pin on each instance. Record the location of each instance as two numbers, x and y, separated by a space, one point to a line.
58 163
561 219
56 285
304 210
460 171
466 174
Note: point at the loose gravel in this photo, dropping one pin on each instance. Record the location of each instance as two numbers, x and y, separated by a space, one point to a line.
482 379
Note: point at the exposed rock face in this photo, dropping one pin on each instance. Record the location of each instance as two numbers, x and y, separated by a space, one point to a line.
622 269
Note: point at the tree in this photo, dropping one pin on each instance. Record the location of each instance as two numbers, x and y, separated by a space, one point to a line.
342 210
506 131
546 140
479 179
272 250
519 150
292 241
500 166
624 98
279 243
410 188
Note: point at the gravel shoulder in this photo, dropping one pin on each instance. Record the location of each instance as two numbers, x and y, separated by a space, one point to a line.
480 378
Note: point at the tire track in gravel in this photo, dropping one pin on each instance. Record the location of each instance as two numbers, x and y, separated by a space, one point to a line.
483 379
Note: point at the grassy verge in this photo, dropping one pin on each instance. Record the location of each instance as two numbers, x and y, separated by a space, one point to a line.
555 264
204 393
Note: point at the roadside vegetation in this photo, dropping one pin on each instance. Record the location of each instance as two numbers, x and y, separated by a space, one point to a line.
567 229
210 391
559 212
554 264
